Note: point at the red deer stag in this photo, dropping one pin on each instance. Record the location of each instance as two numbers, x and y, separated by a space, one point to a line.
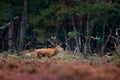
49 52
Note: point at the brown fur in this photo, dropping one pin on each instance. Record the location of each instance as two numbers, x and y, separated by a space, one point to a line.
30 54
49 52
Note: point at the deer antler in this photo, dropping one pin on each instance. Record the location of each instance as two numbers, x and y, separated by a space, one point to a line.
51 42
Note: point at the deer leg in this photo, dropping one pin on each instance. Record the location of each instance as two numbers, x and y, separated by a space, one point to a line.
39 56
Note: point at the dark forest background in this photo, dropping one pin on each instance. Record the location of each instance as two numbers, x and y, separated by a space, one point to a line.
82 26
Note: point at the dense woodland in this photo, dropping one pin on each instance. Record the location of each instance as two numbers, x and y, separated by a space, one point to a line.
82 26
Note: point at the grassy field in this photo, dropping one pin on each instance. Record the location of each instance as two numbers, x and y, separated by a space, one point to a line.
60 67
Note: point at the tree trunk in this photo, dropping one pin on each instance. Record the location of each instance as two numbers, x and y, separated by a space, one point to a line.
22 29
77 49
80 35
103 39
10 27
87 39
67 46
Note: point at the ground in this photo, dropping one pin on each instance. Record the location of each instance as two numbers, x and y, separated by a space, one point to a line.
62 68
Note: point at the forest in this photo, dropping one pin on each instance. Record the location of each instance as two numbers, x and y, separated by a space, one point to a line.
60 40
85 27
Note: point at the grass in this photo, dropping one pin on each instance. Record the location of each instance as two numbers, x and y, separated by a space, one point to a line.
57 57
15 57
19 57
65 57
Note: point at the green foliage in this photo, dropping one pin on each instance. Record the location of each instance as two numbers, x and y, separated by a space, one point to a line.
53 15
33 19
64 57
72 33
40 37
4 12
116 11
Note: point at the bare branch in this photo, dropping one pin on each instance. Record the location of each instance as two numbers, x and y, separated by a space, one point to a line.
7 24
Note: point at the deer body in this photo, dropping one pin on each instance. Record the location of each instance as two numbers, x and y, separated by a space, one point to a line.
49 52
